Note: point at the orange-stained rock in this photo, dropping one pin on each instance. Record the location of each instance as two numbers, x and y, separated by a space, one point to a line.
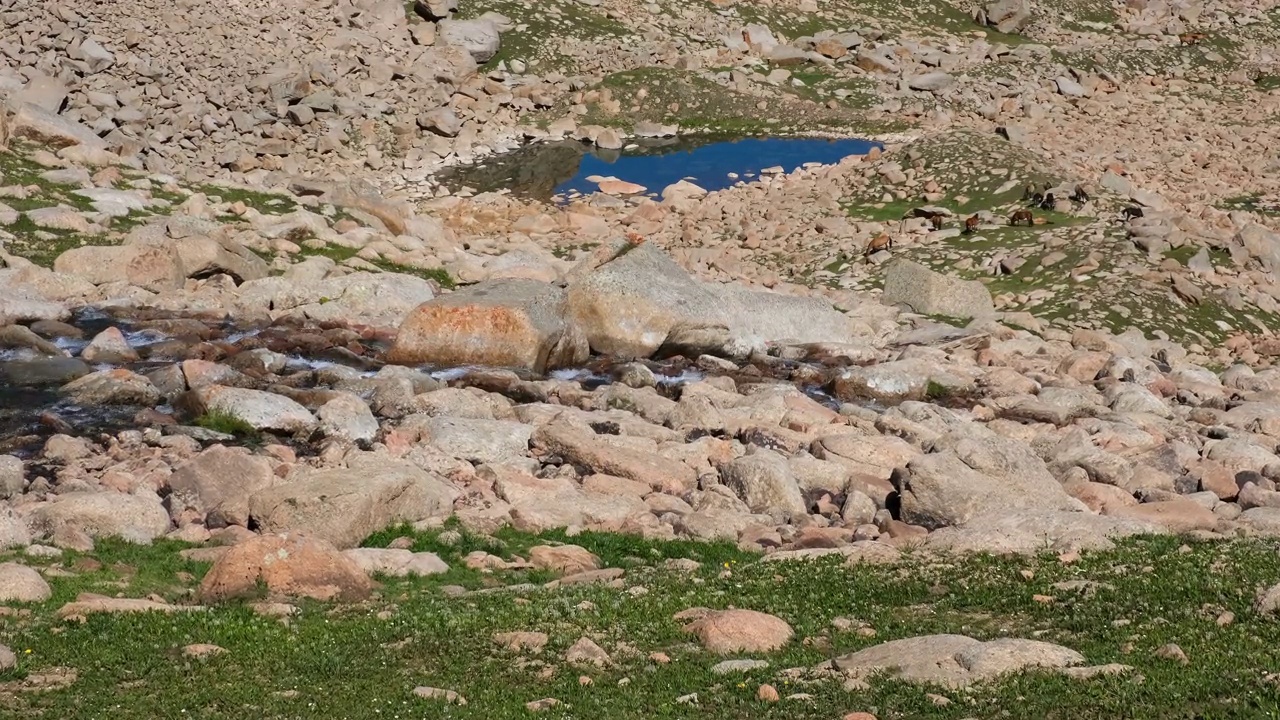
502 323
287 565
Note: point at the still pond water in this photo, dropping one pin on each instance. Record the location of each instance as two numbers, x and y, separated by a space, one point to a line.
560 170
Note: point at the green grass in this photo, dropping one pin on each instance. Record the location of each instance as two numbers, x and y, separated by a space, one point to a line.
920 17
226 423
1257 203
700 105
264 202
539 32
363 660
16 168
42 246
340 254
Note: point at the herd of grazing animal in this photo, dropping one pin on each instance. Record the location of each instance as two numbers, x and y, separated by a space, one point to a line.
1041 197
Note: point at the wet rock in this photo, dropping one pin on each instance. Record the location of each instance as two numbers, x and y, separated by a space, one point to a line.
43 371
931 293
12 476
954 660
137 518
288 566
502 323
215 486
112 387
897 380
739 631
20 336
109 347
19 583
260 410
346 505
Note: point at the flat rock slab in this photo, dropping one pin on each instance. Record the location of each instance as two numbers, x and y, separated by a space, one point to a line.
738 666
396 563
1030 532
954 660
88 603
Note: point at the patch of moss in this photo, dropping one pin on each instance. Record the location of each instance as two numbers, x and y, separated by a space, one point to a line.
264 202
340 254
226 423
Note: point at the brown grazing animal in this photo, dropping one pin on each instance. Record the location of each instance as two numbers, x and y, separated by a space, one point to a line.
936 222
1022 216
1192 38
883 241
971 223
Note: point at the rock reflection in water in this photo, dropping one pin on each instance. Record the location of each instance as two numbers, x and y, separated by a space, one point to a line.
547 170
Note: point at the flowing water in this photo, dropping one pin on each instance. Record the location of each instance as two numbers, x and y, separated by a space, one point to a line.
32 409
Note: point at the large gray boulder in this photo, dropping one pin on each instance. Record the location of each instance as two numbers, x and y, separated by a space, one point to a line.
954 660
380 299
764 481
483 442
931 293
1009 16
1260 243
12 476
159 264
501 323
972 471
346 505
139 517
151 267
215 486
1030 532
642 301
480 37
261 410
